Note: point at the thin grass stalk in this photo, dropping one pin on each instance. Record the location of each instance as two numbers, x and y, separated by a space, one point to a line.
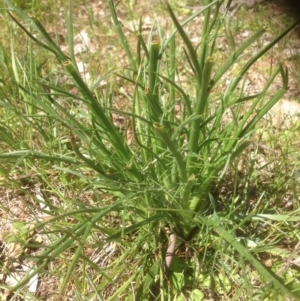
171 76
32 67
172 102
187 42
183 124
20 79
123 289
152 89
235 55
69 121
31 154
202 102
228 4
69 20
83 285
76 256
94 287
161 281
188 20
118 26
13 58
199 200
143 135
181 164
140 138
60 92
37 25
100 149
204 45
214 27
264 110
231 41
92 164
148 144
242 129
47 258
250 258
49 110
56 51
200 109
143 44
65 242
189 61
187 192
260 53
140 40
47 37
115 136
187 102
135 227
154 141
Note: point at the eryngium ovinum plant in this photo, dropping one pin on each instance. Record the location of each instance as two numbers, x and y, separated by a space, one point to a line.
170 239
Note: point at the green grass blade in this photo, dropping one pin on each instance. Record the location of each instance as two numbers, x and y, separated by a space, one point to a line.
260 53
268 276
31 154
181 164
121 34
188 20
75 259
188 44
69 20
235 56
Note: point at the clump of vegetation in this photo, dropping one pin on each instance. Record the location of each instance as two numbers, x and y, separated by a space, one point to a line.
153 226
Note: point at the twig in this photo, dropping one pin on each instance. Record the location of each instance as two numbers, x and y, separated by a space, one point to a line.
170 251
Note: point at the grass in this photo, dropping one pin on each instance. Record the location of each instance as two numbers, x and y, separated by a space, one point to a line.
160 184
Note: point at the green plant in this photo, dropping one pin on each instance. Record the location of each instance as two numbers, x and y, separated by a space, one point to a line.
159 187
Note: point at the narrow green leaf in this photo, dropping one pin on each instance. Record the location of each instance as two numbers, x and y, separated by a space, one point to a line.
268 276
120 33
188 44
